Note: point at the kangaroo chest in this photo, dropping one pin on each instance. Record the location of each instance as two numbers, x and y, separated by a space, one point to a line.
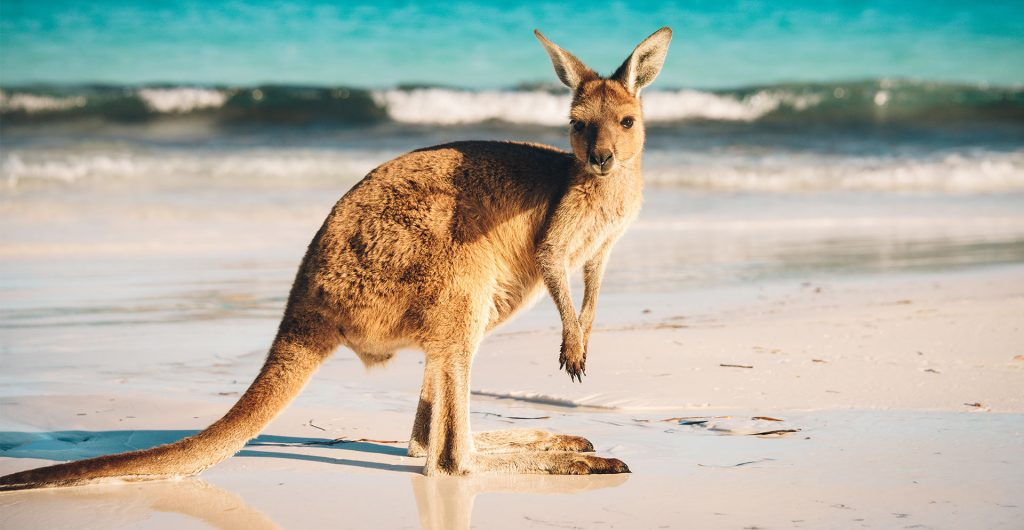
602 224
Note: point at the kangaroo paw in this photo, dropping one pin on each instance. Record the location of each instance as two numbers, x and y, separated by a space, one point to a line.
592 465
416 450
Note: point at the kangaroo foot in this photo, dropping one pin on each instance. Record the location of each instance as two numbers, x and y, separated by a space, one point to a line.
550 463
520 440
417 449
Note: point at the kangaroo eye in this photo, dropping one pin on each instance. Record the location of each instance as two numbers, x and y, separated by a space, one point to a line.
627 122
577 125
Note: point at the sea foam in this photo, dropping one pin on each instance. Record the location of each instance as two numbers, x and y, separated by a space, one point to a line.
36 166
954 172
32 103
961 171
182 99
449 107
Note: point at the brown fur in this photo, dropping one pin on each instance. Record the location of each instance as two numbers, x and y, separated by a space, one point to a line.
432 250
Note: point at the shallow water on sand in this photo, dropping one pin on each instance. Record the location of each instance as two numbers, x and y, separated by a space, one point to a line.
138 255
838 469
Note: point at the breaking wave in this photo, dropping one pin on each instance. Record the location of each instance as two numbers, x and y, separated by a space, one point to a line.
880 101
962 171
39 166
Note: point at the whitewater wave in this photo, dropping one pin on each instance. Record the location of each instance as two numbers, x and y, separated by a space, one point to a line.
963 171
876 101
34 103
445 106
958 172
250 167
685 105
183 99
450 107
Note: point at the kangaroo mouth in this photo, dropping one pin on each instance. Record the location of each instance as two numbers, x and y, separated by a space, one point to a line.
601 170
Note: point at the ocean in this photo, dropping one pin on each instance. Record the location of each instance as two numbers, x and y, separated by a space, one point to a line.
785 140
460 43
763 182
867 135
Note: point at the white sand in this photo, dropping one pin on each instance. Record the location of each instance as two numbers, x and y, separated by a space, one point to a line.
877 374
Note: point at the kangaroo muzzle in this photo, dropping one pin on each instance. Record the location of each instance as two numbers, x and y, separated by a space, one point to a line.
602 161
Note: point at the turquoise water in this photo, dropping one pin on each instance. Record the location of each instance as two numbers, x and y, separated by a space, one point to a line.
197 95
475 45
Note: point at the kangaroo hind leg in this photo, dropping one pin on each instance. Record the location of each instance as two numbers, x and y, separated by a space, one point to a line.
501 441
420 436
444 415
444 409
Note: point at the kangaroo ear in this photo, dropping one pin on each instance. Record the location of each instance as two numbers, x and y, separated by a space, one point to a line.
645 62
570 70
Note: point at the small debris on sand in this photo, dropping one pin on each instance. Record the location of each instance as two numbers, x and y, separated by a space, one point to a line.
776 432
741 464
514 417
344 440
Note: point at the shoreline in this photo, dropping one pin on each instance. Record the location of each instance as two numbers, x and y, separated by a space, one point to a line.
897 446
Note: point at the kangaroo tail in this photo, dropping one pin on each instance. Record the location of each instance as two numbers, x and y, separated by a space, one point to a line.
290 364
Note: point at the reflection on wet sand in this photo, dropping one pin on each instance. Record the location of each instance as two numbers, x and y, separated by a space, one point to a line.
443 503
446 503
213 505
128 505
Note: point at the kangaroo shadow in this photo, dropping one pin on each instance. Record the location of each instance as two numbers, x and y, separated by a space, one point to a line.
76 445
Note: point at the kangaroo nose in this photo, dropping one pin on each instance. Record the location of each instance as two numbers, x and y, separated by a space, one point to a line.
602 159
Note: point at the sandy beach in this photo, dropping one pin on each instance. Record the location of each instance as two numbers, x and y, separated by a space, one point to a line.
882 393
816 321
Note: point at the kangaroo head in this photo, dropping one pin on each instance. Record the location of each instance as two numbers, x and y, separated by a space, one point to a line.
606 126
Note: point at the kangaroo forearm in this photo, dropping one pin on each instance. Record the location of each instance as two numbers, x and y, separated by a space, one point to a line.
557 281
589 309
593 274
552 259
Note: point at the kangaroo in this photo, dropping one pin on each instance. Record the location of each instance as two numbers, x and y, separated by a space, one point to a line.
431 251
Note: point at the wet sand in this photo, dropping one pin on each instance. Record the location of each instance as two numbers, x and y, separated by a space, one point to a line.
899 399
